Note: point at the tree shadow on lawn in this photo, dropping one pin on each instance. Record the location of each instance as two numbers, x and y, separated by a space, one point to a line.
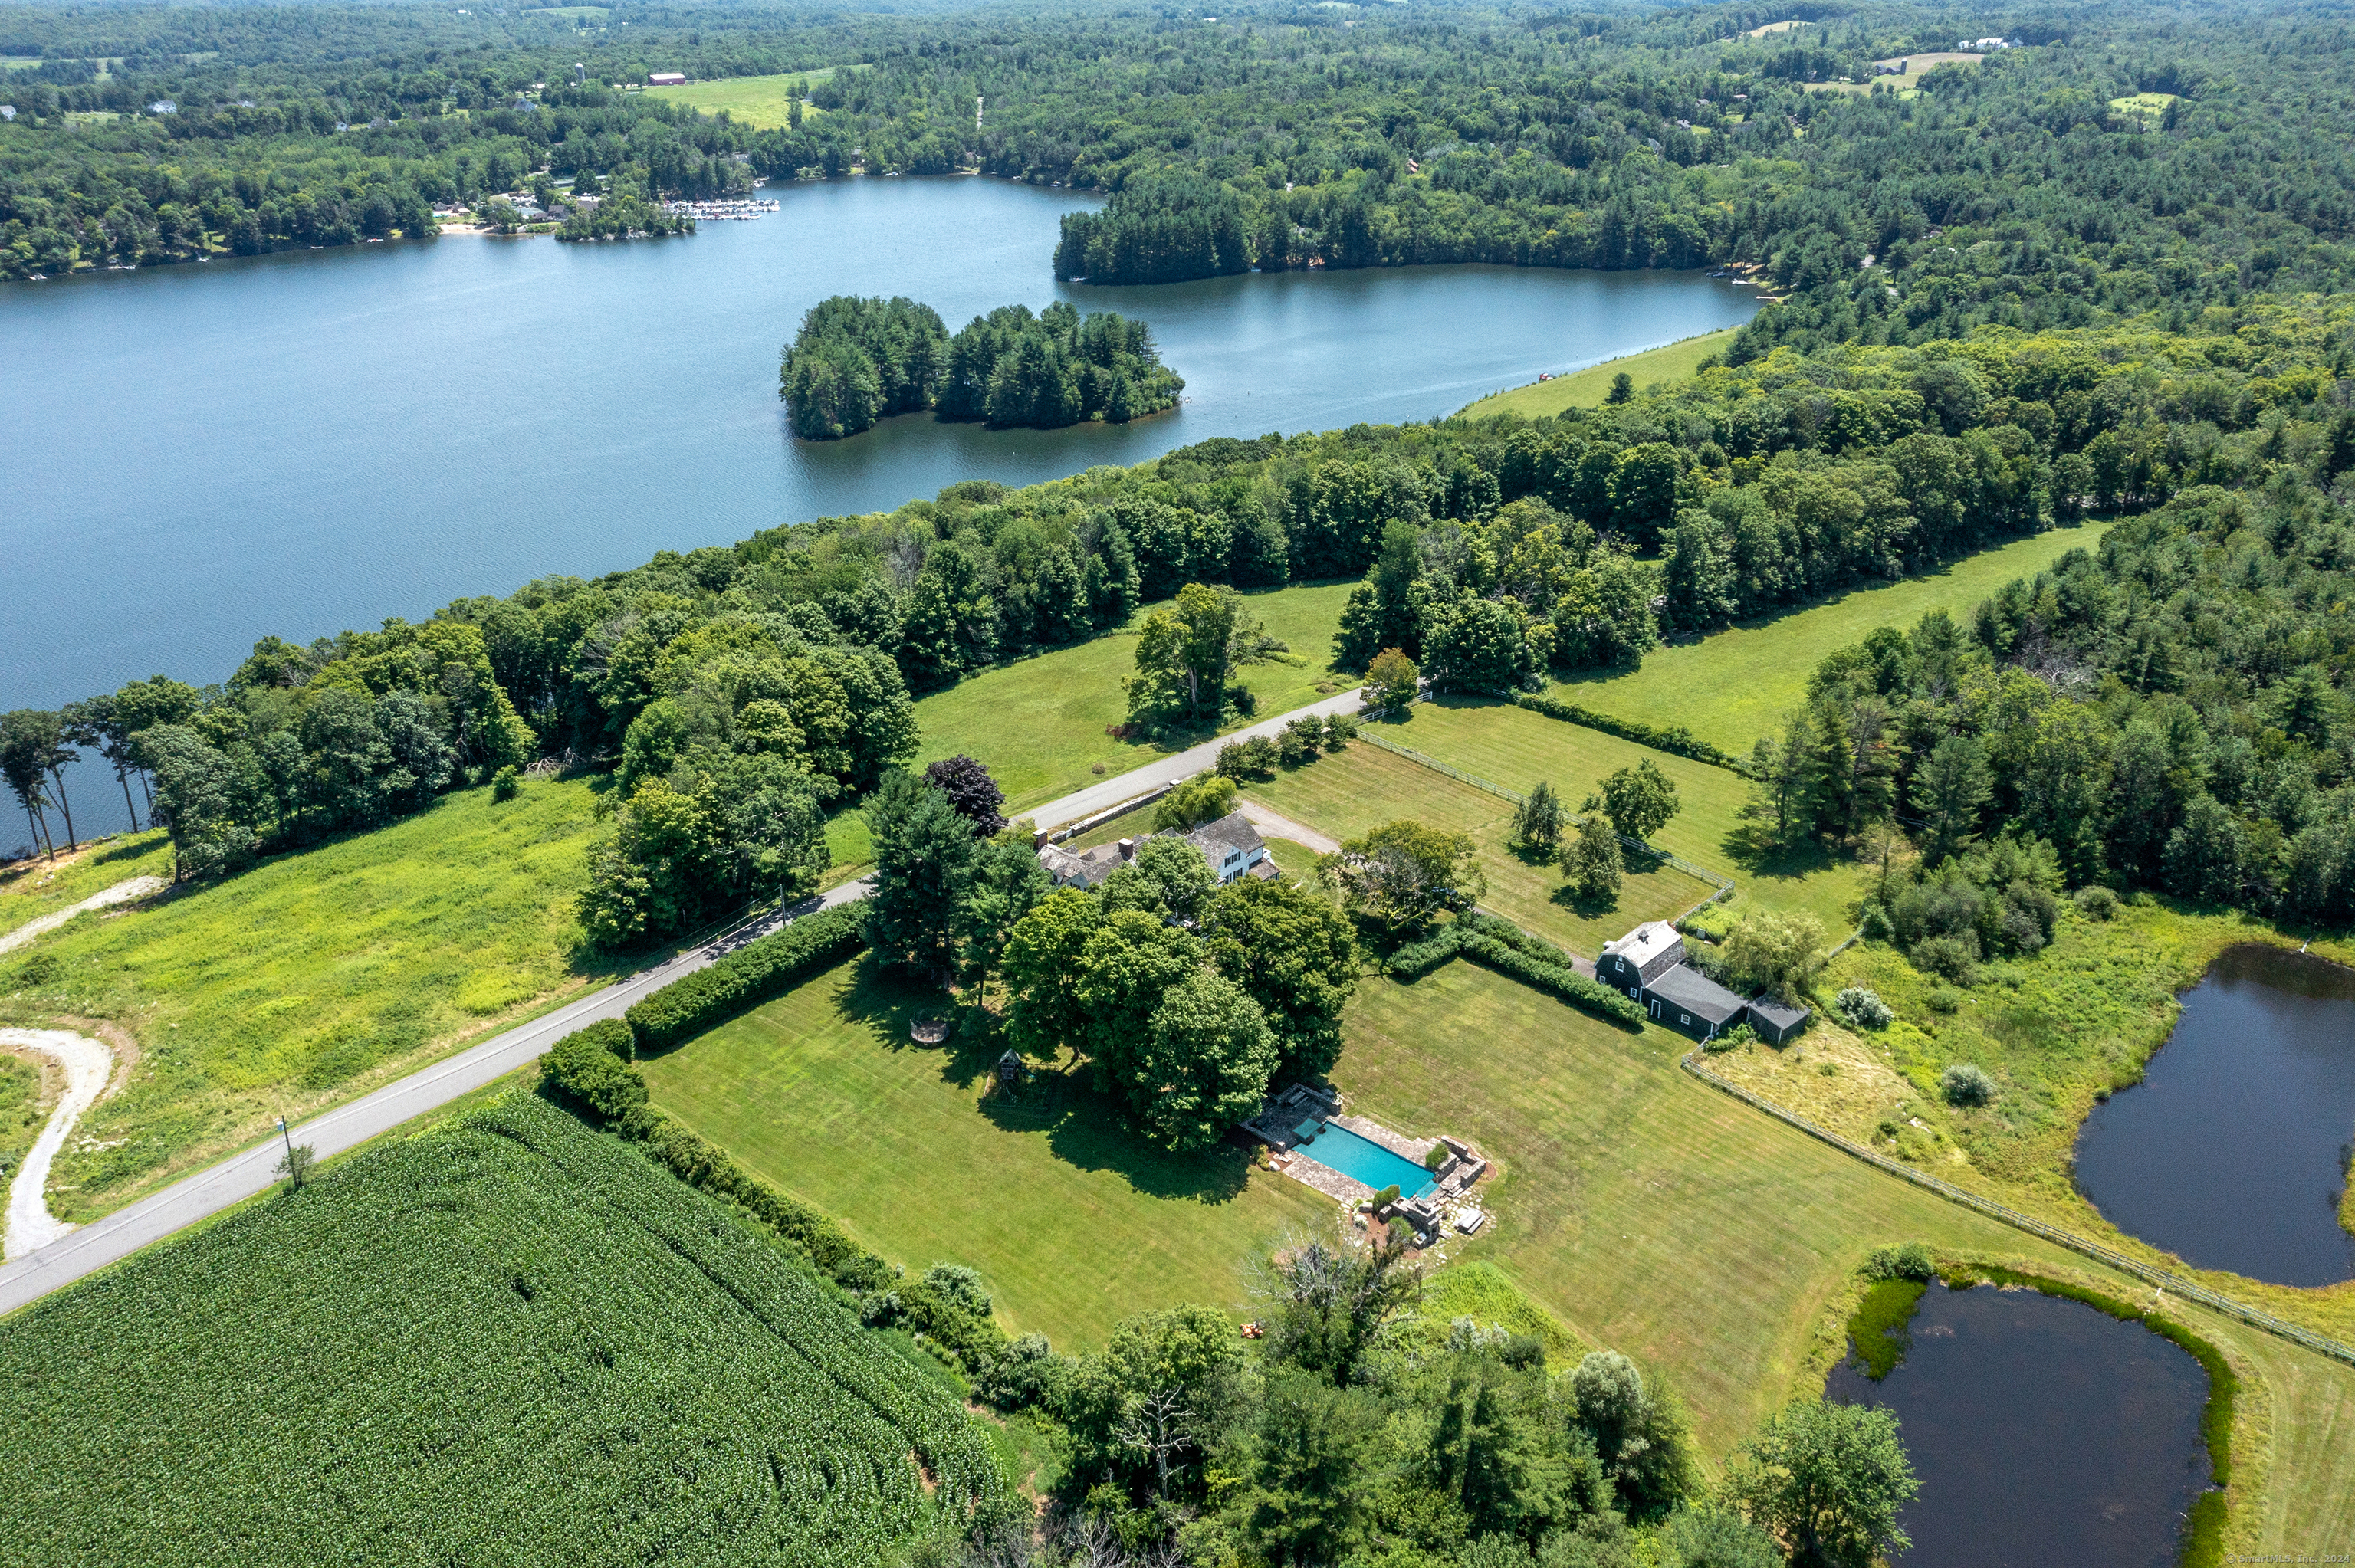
1579 904
1758 860
1083 1127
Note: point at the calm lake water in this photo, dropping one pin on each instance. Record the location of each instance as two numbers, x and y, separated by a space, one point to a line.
298 443
2042 1432
2232 1151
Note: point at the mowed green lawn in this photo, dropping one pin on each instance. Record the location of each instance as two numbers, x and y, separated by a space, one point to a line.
1358 789
763 102
1586 388
1043 724
1075 1220
1662 1217
316 974
1732 686
1515 749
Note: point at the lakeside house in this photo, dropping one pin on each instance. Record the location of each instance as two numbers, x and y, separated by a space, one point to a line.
1231 846
1648 964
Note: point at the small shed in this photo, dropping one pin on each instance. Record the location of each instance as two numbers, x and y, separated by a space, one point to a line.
1775 1021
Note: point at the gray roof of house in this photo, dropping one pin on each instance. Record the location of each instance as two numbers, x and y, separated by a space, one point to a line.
1232 831
1695 993
1779 1014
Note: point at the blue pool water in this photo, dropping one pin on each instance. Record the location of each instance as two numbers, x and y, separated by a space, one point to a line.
1363 1159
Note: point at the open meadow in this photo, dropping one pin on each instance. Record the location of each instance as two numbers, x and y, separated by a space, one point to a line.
1656 1214
1732 686
1586 388
1042 723
763 102
32 888
1354 792
1514 748
2055 1030
1075 1220
317 974
508 1340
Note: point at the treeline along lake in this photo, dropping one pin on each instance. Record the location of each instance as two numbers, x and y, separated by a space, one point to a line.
303 443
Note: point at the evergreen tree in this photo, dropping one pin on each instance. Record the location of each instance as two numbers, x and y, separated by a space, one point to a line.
924 856
1950 792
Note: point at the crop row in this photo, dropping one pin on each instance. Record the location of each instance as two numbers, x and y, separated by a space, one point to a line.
511 1340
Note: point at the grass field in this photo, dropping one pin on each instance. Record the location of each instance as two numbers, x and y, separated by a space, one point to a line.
1360 788
1732 686
1586 388
2078 1019
763 102
22 1112
1076 1223
1650 1212
511 1339
1040 723
312 975
1515 749
32 888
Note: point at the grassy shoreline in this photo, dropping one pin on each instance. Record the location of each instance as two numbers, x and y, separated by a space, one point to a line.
1586 388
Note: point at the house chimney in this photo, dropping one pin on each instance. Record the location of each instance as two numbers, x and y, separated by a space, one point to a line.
1039 837
1128 849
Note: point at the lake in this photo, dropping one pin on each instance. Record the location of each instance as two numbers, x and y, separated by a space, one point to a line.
303 443
2041 1431
2231 1152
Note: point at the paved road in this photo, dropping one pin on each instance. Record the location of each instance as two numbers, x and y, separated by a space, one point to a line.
93 1247
1179 765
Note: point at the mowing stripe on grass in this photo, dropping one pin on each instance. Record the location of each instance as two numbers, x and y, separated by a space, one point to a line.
2190 1289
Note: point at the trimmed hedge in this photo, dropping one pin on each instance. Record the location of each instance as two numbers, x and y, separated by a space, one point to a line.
592 1067
1676 739
1514 954
753 973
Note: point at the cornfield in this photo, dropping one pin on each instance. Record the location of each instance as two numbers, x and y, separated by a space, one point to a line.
510 1341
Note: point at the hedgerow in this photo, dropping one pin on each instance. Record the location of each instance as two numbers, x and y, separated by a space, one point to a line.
1514 954
1674 738
510 1338
754 972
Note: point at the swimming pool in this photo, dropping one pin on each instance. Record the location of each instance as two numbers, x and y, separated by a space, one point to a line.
1363 1159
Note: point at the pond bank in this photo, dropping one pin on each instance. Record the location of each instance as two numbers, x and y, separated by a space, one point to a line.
2042 1427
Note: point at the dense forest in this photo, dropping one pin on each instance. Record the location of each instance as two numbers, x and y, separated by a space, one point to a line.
2101 169
855 360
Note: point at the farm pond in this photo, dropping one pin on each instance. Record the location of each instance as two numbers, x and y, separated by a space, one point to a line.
2232 1151
2042 1430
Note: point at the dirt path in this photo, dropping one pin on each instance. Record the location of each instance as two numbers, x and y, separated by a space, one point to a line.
120 893
1272 824
88 1065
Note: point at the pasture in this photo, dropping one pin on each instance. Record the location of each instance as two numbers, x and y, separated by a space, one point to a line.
507 1340
1075 1220
1646 1211
763 102
317 974
1360 790
1514 748
1042 723
1586 388
1732 686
